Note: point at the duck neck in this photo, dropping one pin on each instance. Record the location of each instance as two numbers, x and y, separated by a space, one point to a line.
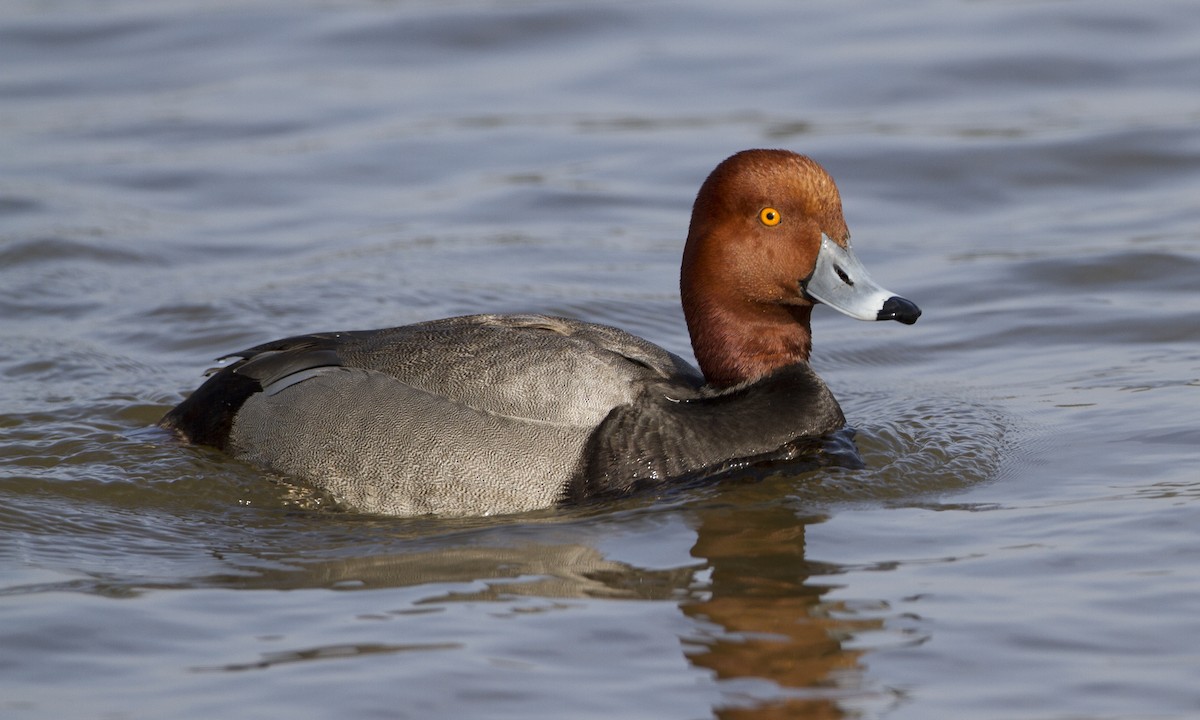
747 342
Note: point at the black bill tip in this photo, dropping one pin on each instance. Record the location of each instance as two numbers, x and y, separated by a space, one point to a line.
898 309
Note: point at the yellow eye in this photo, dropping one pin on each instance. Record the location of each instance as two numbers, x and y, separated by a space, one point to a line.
769 216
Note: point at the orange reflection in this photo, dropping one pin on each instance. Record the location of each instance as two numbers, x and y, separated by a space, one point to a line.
774 626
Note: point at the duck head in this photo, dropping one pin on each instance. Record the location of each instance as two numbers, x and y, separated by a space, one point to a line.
767 241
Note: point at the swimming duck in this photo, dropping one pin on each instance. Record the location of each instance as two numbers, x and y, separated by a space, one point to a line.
490 414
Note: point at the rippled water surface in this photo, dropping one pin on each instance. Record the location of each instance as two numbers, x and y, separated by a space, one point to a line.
181 179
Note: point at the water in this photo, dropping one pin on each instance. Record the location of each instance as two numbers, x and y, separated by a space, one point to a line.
179 180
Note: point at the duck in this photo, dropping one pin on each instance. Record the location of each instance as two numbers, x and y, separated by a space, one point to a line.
499 414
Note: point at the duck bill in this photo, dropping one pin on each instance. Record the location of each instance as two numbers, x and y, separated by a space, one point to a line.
841 282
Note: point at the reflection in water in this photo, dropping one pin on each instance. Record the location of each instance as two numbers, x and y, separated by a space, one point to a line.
759 624
476 572
773 625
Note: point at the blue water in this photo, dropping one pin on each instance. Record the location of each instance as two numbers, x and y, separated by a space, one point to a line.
179 180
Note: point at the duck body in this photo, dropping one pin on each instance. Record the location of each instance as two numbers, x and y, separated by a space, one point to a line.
492 414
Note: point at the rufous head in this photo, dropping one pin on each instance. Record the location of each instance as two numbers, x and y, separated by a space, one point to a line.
768 240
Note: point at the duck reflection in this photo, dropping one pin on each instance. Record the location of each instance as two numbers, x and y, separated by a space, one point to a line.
761 625
773 623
